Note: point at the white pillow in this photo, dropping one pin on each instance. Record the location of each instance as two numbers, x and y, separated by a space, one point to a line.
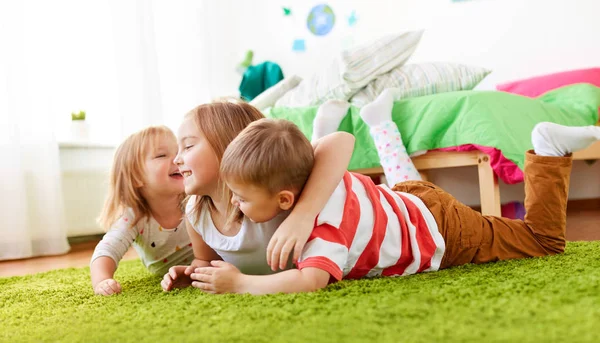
268 98
412 80
488 83
352 70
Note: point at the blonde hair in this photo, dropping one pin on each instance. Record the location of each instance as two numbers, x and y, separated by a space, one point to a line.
270 153
127 174
220 122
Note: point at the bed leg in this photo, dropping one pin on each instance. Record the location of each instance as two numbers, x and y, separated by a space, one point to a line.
424 175
489 190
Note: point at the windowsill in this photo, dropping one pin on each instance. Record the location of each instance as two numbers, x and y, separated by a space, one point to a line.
91 155
85 145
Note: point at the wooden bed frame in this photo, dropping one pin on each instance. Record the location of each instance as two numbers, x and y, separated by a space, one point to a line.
489 190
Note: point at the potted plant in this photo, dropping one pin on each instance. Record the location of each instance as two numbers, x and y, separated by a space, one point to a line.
79 127
78 116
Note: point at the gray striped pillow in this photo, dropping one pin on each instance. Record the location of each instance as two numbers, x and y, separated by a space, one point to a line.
412 80
352 70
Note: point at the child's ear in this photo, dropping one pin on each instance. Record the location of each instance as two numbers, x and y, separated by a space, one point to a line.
137 183
286 200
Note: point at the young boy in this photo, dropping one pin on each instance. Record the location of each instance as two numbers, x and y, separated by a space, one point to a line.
367 230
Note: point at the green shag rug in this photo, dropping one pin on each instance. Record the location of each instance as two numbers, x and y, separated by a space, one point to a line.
550 299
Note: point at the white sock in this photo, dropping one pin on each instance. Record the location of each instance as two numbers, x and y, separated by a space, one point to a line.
380 110
550 139
329 116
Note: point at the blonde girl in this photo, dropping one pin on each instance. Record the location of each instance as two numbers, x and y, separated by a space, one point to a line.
217 229
144 208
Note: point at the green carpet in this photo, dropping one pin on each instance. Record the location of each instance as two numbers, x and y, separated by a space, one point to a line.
547 299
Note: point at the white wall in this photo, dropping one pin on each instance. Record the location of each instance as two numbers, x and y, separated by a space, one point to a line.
515 38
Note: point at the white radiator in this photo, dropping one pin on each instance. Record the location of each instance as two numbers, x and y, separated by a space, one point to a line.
84 170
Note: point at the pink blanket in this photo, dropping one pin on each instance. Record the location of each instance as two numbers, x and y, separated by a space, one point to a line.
506 170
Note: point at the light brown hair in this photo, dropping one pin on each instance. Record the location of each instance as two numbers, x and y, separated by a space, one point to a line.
220 122
127 174
270 153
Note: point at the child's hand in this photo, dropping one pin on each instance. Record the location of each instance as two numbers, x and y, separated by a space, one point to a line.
177 277
292 234
107 287
222 277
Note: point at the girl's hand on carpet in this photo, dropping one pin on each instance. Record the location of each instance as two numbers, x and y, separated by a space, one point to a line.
221 278
291 235
107 287
177 277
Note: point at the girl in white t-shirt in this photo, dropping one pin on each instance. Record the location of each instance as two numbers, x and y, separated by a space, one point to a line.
217 229
143 207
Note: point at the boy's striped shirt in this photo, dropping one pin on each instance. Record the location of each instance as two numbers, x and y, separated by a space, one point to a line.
366 230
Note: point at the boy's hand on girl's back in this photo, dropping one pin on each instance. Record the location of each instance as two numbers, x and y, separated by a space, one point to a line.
177 277
291 235
107 287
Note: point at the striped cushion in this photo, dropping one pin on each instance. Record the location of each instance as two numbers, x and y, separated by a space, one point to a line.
421 79
352 70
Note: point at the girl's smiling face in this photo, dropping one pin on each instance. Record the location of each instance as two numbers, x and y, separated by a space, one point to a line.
196 159
162 177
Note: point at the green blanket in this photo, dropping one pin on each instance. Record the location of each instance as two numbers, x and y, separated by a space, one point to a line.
488 118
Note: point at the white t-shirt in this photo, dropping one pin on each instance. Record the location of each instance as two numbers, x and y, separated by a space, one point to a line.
247 250
157 247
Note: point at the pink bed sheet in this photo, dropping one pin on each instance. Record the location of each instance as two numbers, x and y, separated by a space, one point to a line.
506 170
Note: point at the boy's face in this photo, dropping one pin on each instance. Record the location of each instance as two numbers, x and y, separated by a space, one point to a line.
257 203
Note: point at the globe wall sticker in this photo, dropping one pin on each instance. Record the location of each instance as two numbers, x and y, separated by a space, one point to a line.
320 20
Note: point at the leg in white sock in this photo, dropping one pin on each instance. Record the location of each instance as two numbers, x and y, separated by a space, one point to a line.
550 139
379 110
329 116
394 159
397 165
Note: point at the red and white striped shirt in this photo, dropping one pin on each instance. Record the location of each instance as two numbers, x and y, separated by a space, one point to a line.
366 230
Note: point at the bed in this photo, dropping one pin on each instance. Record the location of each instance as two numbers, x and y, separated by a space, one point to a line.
489 191
490 119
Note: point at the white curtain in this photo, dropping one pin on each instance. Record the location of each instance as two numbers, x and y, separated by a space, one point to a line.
128 64
31 204
170 57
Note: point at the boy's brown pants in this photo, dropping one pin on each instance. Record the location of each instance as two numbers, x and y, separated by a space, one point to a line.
474 238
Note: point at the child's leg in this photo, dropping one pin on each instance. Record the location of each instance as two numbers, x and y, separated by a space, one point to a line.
473 238
394 159
329 116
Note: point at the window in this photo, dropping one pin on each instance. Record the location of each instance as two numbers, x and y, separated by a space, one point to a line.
126 64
